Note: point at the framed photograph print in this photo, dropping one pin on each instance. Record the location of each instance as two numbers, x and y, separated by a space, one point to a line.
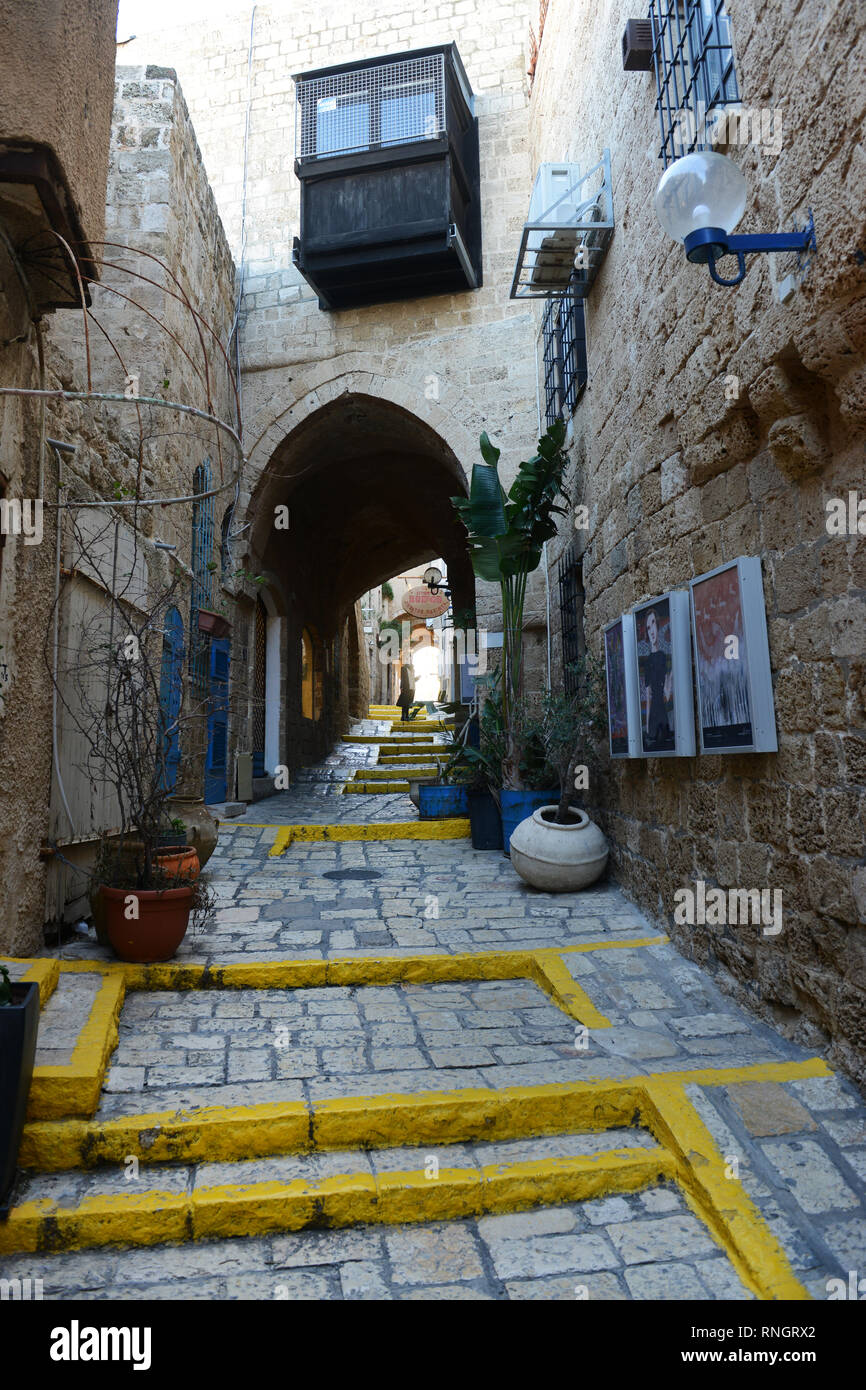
623 712
732 657
663 666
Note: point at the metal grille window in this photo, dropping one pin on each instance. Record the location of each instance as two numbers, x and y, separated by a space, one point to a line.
563 332
371 108
202 579
694 66
571 599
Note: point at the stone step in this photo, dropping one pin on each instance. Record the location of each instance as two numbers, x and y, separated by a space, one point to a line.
151 1204
416 771
391 741
375 788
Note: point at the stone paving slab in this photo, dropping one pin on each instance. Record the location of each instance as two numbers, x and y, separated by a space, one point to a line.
637 1246
172 1042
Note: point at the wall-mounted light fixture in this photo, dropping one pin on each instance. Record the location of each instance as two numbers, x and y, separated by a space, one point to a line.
433 580
699 201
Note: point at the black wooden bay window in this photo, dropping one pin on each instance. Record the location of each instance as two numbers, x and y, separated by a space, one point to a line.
386 152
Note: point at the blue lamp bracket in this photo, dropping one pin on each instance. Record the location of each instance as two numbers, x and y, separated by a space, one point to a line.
709 244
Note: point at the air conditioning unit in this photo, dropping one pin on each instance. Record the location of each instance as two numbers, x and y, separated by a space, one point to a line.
555 195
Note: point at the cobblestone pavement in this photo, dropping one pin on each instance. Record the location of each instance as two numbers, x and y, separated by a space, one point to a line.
410 897
798 1147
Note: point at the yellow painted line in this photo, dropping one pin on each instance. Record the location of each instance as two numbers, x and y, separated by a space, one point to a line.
44 972
391 741
450 828
228 1133
722 1202
151 1218
375 788
74 1089
548 971
382 774
629 945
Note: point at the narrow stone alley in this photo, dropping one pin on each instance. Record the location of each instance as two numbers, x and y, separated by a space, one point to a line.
390 1070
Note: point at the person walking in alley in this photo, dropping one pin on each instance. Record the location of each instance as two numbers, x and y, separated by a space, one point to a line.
407 691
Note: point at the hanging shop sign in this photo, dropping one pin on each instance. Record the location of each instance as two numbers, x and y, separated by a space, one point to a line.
420 603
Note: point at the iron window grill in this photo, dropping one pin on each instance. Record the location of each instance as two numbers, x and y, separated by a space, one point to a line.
202 579
370 108
571 599
563 333
694 66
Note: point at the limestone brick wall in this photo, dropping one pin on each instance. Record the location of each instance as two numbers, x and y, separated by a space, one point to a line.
461 362
717 423
158 201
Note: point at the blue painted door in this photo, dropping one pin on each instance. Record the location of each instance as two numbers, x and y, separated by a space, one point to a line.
215 776
170 695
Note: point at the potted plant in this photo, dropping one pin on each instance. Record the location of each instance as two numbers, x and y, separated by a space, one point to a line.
215 624
506 535
478 752
559 848
19 1023
112 689
175 856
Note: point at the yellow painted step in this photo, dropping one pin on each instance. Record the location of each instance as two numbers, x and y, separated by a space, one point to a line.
375 788
245 1207
382 774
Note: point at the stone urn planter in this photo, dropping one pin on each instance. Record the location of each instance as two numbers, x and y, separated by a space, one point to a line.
202 829
558 858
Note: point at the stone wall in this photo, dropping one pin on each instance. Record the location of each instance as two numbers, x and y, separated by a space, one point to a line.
158 201
462 362
717 423
56 89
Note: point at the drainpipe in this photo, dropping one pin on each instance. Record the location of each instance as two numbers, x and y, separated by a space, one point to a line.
59 450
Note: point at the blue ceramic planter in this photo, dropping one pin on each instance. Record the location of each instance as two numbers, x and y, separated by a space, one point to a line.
435 802
516 806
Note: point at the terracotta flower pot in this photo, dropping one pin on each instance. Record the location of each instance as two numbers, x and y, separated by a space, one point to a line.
214 623
163 917
180 863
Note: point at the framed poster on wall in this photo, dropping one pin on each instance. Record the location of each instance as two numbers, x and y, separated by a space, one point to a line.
732 657
623 710
663 665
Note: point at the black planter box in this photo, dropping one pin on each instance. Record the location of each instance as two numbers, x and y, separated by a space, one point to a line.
19 1023
485 821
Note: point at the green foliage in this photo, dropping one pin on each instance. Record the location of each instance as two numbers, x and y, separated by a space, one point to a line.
387 591
572 725
5 987
506 532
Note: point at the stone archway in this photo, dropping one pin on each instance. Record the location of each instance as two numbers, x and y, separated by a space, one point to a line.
367 485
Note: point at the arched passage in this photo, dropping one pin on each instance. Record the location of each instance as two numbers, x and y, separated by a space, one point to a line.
368 487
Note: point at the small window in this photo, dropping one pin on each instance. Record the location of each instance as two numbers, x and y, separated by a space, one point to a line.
367 108
571 601
564 356
694 67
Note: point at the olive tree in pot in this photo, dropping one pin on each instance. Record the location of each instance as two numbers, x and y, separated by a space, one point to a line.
559 848
19 1022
